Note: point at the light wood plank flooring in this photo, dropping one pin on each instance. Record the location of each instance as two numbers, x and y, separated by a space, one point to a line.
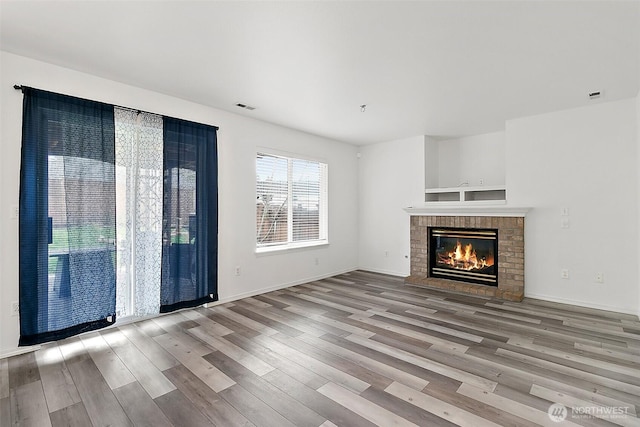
359 349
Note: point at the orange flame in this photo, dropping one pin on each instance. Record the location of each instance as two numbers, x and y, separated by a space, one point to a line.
465 258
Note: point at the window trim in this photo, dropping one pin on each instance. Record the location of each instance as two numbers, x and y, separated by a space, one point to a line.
323 225
274 249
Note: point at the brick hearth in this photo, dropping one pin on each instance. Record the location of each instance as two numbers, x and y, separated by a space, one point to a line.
510 254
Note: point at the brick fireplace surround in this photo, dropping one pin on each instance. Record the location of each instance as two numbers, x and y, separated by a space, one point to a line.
510 254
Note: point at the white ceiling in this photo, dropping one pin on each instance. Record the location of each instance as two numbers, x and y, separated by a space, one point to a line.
445 69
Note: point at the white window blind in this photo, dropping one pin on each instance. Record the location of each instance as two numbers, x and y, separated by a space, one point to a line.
291 202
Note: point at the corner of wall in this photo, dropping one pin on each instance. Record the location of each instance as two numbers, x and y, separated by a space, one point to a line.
431 164
391 177
638 171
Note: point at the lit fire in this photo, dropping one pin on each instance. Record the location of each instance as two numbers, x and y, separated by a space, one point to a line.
465 258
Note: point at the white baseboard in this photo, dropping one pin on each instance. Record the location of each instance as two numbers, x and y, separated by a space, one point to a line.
18 351
583 304
278 287
382 271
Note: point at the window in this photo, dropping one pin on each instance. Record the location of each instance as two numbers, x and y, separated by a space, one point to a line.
291 202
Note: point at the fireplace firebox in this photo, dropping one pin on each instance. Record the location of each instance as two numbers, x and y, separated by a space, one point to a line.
464 254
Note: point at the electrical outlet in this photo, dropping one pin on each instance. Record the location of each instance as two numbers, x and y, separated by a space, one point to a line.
564 222
15 308
564 211
386 254
237 270
481 181
599 277
14 212
564 273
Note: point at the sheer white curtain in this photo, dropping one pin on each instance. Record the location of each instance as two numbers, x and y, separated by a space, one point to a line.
139 183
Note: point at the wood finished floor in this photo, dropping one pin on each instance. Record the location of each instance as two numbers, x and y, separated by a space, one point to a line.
359 349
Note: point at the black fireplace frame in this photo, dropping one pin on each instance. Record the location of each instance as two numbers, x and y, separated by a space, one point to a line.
459 275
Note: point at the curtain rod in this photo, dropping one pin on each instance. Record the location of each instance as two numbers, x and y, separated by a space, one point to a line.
21 88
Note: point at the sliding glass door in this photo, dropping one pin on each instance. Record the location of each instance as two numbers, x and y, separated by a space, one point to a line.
118 215
67 217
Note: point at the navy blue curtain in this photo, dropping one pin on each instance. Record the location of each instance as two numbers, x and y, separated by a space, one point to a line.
190 215
67 217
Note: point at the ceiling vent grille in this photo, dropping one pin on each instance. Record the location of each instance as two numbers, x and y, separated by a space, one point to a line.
245 106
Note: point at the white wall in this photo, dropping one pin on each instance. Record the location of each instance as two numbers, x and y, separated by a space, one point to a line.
638 170
391 178
238 138
585 159
472 159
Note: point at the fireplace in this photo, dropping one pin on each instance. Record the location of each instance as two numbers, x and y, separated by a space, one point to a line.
464 254
509 224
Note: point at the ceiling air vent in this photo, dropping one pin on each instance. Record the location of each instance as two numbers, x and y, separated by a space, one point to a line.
245 106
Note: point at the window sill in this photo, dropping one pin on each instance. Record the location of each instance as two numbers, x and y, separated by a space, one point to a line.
272 250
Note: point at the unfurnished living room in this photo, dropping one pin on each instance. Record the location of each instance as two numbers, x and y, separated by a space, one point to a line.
319 213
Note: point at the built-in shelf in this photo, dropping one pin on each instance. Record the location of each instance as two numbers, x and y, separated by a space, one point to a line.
495 194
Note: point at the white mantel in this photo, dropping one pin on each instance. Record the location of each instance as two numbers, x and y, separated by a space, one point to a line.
428 209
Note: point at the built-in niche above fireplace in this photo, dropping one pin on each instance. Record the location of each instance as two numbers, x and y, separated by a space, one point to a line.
465 254
508 254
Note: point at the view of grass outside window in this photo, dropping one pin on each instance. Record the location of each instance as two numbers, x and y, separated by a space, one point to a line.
82 176
291 202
